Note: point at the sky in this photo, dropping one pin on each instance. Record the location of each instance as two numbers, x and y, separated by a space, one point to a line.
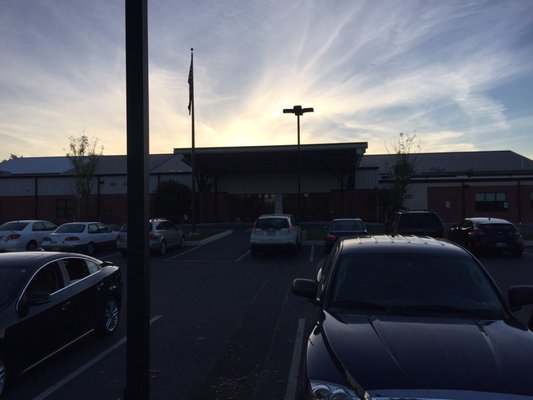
455 75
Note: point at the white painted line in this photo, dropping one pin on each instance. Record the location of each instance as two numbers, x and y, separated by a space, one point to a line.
241 257
86 366
292 384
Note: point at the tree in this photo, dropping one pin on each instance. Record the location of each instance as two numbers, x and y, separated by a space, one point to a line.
84 158
402 167
171 200
12 157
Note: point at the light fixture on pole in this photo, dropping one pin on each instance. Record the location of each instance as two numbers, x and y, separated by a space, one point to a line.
298 111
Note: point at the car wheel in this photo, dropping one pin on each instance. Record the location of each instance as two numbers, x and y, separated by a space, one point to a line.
163 248
90 249
3 376
518 253
31 246
110 316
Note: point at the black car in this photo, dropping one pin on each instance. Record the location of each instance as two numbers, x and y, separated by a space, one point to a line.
418 223
489 235
342 227
49 300
412 318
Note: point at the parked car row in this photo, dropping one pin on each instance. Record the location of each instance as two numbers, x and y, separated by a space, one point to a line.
84 237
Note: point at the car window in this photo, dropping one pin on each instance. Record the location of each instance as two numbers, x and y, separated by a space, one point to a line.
413 280
272 223
78 268
48 279
48 226
71 228
93 228
13 226
102 228
466 224
38 227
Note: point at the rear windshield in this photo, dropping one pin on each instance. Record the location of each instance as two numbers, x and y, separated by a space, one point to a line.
71 228
13 226
272 223
419 220
347 226
498 227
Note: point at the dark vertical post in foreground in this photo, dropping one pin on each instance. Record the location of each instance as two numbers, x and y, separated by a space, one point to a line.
138 284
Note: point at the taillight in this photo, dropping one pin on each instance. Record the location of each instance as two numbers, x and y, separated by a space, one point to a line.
331 237
13 236
153 237
46 239
72 239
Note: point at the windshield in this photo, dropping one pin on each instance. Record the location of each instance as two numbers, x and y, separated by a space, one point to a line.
13 226
71 228
347 226
406 282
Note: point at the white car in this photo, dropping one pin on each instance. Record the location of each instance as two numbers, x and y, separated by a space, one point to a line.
24 234
163 234
275 231
86 237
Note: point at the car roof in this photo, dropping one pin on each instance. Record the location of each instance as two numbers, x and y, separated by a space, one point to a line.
31 259
275 216
346 219
400 243
488 220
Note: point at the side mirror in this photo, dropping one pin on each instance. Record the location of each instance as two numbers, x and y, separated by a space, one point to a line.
519 296
31 300
305 288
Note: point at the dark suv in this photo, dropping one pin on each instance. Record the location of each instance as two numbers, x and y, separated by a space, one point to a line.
419 223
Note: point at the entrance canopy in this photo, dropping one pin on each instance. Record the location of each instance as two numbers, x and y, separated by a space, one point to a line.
334 158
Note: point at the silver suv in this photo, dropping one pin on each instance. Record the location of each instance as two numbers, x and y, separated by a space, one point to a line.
275 231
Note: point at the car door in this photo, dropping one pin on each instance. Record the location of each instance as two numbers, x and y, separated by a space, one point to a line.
40 329
86 287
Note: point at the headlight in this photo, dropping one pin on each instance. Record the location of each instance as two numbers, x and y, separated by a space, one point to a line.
332 391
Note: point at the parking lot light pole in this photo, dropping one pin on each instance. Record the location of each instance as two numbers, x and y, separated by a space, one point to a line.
298 111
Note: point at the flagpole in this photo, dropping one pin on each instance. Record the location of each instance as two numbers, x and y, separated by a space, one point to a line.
193 161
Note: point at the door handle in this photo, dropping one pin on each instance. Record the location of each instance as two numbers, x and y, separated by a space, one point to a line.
65 306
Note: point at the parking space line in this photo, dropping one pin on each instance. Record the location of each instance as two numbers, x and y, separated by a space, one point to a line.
86 366
241 257
292 384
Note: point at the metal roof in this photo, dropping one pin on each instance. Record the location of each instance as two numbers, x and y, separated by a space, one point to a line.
456 163
107 165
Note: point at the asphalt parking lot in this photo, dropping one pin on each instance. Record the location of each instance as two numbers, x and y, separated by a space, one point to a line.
224 326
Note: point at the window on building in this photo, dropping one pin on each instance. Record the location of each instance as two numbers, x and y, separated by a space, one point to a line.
65 208
491 201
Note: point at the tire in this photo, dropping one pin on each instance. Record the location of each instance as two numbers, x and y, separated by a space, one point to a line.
90 249
3 376
31 246
110 317
163 248
182 243
518 253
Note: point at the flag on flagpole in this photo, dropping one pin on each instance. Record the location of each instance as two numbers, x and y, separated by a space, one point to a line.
191 91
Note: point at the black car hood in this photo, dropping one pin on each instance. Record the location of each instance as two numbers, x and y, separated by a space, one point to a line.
393 352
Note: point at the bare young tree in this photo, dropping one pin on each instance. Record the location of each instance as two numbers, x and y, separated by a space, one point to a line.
402 167
84 158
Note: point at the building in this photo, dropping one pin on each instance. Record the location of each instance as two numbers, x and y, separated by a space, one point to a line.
315 182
